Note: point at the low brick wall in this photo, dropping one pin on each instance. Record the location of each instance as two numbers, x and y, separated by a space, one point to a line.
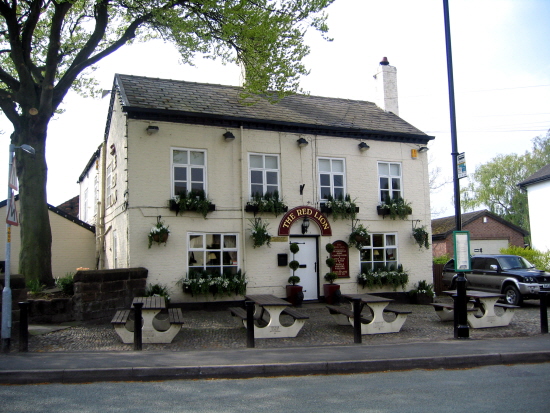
99 293
56 310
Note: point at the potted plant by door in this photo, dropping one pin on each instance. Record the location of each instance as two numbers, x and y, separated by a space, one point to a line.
294 293
331 291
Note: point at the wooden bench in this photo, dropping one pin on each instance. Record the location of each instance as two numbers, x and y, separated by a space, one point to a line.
346 312
446 311
507 306
121 317
241 313
175 316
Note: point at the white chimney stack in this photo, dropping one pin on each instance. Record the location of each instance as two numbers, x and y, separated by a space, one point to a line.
386 87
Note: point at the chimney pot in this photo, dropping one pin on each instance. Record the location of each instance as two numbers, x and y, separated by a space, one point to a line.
384 61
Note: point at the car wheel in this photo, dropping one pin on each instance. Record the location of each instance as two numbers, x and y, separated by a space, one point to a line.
512 295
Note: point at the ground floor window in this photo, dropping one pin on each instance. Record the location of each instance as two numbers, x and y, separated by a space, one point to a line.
379 253
213 253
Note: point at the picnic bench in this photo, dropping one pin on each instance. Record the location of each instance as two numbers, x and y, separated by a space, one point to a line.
267 312
484 315
446 311
159 324
373 322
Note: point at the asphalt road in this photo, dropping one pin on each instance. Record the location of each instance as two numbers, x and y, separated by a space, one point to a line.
516 388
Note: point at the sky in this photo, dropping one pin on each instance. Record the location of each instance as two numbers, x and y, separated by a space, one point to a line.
501 71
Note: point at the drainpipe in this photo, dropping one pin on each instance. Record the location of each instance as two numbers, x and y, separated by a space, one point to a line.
244 177
100 238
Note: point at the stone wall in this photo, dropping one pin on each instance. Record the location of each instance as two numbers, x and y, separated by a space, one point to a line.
99 293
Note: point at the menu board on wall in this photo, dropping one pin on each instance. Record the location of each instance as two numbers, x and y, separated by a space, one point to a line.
341 258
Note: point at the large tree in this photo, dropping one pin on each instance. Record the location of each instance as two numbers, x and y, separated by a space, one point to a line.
50 46
494 184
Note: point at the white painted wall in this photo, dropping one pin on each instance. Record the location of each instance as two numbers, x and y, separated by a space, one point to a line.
538 195
148 186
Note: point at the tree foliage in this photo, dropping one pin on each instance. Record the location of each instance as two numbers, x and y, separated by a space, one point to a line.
494 184
50 46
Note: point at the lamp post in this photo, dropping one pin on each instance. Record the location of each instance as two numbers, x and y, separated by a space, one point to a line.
460 313
6 292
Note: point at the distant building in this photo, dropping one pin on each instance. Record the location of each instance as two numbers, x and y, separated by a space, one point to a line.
73 242
488 233
538 194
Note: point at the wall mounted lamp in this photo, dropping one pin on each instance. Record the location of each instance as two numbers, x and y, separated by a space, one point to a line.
423 149
302 142
363 146
305 225
228 136
151 130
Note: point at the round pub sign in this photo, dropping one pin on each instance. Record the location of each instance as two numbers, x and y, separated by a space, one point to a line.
301 212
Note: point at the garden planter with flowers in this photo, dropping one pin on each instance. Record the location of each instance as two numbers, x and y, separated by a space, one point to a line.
159 233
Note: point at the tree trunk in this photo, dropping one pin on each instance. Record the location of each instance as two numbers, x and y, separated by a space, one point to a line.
36 237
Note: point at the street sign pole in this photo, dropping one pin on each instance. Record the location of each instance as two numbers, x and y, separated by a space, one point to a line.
6 292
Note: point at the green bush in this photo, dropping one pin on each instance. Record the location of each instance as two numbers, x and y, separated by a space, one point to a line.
35 287
66 283
442 259
541 260
158 290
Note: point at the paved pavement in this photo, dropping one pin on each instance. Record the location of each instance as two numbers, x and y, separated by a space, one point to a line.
212 344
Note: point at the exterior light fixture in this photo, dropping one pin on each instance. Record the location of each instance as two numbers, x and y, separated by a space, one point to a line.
152 129
302 142
423 149
228 136
305 225
363 146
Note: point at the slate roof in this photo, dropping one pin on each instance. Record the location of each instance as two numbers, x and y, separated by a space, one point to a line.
443 227
543 174
202 103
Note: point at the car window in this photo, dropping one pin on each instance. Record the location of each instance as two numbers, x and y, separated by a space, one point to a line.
514 263
450 266
478 263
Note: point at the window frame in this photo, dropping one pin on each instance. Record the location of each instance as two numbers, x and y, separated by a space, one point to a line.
188 166
390 178
204 249
332 174
385 247
264 171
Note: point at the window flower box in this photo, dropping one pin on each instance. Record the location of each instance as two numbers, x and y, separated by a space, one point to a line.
342 207
269 202
191 201
395 208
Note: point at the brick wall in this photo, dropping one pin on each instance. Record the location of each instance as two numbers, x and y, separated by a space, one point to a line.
99 293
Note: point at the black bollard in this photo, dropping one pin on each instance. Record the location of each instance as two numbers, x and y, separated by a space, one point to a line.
249 324
543 312
460 308
23 326
357 321
137 326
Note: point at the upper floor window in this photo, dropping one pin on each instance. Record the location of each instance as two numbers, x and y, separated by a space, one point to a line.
188 171
213 253
389 176
380 253
331 177
264 174
109 186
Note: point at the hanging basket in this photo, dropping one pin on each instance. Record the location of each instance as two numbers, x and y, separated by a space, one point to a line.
160 237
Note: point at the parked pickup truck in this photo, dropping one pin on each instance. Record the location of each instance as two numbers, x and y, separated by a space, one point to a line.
511 275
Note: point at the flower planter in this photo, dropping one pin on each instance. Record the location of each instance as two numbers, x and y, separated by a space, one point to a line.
255 209
332 293
294 295
422 299
327 210
382 211
161 238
